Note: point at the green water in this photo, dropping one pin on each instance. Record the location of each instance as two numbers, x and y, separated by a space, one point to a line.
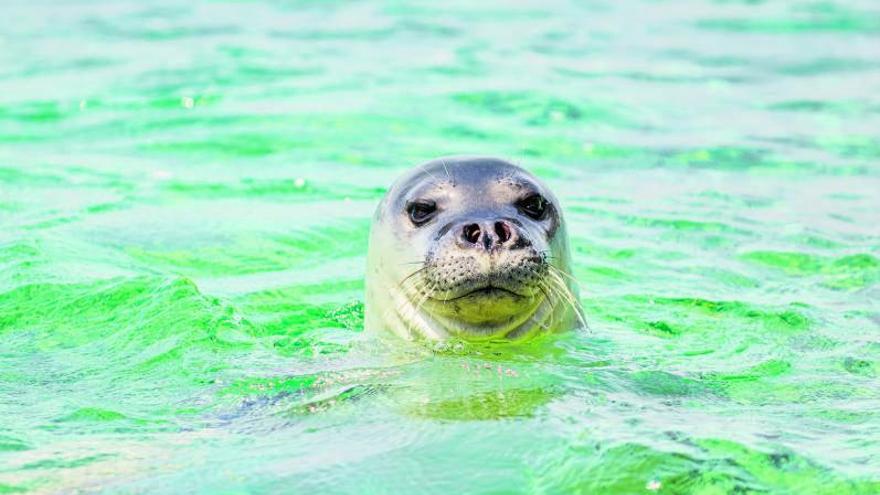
185 195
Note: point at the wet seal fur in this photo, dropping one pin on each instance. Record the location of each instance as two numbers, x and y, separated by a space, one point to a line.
472 248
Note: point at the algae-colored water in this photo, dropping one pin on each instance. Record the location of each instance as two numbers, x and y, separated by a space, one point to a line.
185 197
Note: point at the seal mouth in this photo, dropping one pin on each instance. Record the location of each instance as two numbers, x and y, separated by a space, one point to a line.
489 291
477 280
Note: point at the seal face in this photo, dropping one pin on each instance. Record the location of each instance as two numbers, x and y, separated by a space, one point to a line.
473 248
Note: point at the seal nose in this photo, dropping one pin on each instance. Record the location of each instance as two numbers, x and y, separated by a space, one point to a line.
487 235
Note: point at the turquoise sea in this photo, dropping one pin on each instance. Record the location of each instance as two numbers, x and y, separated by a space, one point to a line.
186 191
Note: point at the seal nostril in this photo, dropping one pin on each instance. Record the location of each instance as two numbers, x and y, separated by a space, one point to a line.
472 233
503 232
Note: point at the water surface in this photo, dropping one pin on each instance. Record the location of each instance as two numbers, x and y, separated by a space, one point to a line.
185 196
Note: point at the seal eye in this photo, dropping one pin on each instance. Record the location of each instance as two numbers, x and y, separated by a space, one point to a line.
421 211
534 206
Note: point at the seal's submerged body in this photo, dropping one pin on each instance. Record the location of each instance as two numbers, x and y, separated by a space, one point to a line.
473 248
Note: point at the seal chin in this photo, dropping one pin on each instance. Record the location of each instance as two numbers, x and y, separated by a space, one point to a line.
485 310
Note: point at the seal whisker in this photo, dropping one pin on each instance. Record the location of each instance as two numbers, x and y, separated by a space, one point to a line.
448 175
569 297
407 311
425 295
559 288
407 286
418 272
552 304
562 299
411 311
567 275
424 169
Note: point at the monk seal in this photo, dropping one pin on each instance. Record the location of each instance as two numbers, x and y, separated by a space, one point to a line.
472 248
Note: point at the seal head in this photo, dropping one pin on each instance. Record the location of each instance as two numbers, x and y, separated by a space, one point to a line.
473 248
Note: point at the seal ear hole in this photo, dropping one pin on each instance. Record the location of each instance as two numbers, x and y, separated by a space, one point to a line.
421 211
533 206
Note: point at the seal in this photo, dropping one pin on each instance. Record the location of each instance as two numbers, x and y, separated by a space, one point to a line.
473 248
